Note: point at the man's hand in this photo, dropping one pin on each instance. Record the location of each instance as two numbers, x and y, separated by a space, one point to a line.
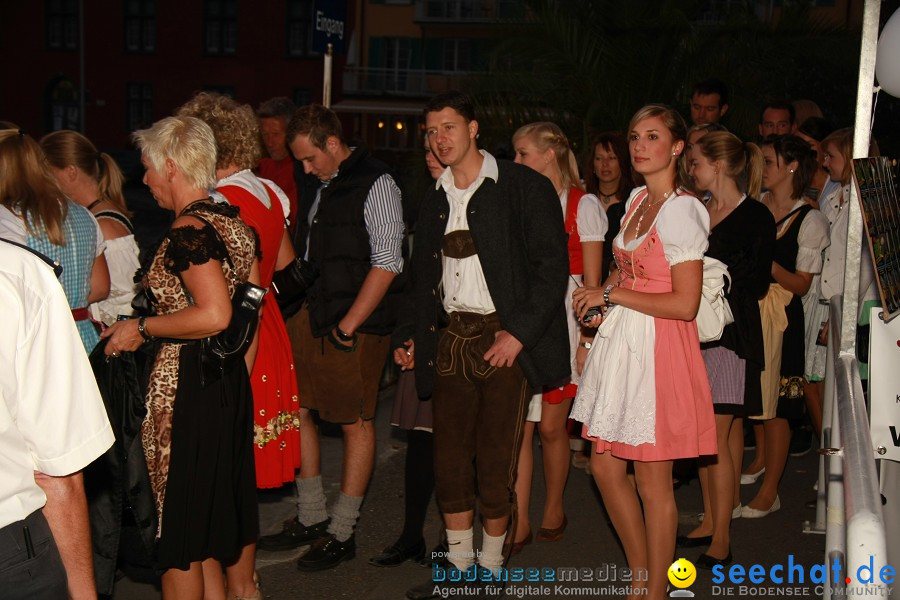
406 357
504 350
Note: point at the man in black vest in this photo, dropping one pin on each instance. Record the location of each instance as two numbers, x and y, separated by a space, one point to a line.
490 253
351 228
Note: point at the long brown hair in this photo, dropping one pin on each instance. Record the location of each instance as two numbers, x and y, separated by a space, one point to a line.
66 147
615 142
28 188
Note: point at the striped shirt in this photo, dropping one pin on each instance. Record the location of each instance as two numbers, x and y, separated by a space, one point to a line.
383 214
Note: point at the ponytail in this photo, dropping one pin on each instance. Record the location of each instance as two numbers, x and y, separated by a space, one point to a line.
110 181
754 169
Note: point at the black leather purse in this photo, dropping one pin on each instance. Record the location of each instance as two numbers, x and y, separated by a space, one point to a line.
292 283
225 350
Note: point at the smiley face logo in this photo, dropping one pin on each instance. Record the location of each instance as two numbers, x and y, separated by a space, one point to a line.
682 573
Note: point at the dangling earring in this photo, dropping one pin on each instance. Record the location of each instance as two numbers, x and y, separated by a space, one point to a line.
716 171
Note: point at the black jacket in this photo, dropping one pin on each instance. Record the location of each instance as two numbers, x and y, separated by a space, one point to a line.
517 226
117 485
339 245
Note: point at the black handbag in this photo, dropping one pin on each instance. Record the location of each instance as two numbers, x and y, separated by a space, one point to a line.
227 348
292 283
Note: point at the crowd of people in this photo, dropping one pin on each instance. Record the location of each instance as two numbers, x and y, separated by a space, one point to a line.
543 296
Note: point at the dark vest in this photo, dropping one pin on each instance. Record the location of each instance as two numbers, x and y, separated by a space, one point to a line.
339 245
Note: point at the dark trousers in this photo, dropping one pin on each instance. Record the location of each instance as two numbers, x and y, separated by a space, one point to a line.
479 411
31 569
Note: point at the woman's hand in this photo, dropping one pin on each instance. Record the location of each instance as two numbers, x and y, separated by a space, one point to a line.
123 337
406 357
580 357
585 298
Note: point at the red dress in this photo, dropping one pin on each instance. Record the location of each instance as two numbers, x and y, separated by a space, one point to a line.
276 403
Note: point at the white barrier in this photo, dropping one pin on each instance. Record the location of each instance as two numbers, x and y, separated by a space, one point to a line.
854 523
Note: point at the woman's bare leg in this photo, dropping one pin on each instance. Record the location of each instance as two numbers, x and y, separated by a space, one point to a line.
183 585
778 440
555 450
813 392
759 459
721 489
654 481
213 580
624 508
736 445
705 527
523 482
239 576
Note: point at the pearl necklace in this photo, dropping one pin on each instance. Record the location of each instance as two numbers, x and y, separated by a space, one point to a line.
646 208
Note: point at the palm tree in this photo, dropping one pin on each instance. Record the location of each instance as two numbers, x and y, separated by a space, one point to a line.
589 64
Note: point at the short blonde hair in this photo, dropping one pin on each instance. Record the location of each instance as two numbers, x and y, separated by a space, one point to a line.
234 126
188 142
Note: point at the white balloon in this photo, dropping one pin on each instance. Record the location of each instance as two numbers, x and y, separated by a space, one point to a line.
887 58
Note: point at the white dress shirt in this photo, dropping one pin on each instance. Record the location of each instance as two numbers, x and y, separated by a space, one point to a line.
52 418
463 283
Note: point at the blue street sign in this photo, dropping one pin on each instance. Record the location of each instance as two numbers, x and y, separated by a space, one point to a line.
329 25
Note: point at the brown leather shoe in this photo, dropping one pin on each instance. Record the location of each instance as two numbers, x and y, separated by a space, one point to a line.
552 535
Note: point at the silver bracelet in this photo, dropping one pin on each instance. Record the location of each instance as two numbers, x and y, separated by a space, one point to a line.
606 294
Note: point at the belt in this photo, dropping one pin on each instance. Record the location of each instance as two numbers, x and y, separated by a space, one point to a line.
469 324
81 314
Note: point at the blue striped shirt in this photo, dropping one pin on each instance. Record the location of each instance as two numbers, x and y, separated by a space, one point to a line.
383 214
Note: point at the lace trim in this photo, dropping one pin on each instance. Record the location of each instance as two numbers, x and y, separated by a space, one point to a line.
189 245
686 258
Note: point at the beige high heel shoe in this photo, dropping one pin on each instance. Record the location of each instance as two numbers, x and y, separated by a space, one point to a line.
257 595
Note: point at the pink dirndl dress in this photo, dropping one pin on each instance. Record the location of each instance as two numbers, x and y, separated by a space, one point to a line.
645 394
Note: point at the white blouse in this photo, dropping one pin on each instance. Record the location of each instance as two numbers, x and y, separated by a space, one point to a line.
682 224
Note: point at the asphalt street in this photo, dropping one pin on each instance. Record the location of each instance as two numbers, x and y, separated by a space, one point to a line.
589 544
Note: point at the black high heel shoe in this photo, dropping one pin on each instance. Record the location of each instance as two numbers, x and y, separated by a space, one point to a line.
705 561
683 541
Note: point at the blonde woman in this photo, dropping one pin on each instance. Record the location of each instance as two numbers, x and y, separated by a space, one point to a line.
543 147
197 436
94 180
644 393
743 237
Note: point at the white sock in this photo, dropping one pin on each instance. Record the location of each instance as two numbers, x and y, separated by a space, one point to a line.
461 552
491 556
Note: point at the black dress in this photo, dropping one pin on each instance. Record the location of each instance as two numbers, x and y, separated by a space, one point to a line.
614 215
198 440
793 353
745 242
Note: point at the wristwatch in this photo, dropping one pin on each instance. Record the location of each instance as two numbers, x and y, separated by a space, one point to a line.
143 330
344 337
585 345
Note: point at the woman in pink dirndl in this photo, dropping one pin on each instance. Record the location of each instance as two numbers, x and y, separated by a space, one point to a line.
645 395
